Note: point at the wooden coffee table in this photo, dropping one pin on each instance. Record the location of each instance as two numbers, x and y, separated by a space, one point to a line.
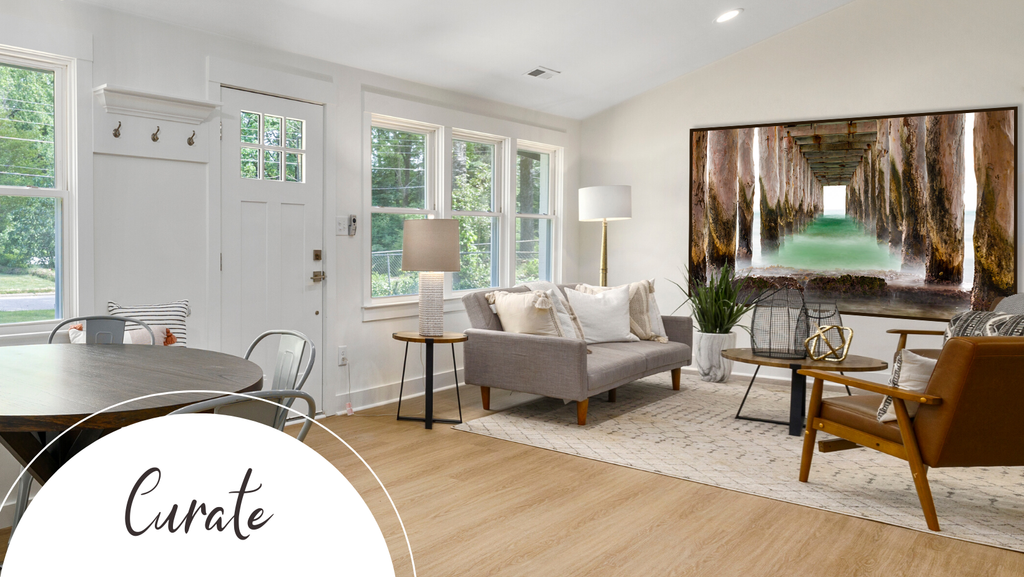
798 382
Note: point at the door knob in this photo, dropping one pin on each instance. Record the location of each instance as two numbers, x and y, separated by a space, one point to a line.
318 275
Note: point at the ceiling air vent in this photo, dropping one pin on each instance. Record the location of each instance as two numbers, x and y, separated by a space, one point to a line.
541 72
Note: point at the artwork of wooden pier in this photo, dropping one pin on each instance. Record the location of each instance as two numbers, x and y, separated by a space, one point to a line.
904 180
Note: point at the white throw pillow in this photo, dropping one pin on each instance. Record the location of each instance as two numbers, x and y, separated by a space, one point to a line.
171 315
530 313
911 372
639 307
163 336
604 316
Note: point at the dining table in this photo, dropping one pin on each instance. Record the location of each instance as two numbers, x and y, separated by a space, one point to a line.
47 389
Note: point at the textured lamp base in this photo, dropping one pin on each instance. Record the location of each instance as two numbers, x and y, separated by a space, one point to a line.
431 304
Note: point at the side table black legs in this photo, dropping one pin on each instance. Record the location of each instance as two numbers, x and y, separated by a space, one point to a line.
797 402
428 419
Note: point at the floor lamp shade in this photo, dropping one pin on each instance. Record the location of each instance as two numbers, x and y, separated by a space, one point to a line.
612 202
431 247
604 203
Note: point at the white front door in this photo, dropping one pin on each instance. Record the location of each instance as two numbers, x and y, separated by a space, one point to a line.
271 223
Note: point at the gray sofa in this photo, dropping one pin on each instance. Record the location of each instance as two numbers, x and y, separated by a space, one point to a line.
562 368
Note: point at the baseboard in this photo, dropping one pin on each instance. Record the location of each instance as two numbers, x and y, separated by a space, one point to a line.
388 393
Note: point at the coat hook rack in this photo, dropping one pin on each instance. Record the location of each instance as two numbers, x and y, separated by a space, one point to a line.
117 131
192 139
156 135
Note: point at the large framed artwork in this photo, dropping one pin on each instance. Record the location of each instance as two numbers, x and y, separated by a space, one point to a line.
908 216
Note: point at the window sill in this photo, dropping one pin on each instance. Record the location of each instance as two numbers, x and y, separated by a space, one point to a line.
29 333
405 309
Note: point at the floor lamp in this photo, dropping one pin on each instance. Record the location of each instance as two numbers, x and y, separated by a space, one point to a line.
604 203
431 247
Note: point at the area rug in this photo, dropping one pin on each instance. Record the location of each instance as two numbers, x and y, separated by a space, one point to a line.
692 434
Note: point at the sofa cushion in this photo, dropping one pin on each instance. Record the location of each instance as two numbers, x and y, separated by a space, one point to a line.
656 355
859 412
606 365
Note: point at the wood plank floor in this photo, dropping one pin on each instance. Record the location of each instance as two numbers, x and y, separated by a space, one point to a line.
474 505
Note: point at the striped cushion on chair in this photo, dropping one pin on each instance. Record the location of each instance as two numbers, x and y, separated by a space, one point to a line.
171 315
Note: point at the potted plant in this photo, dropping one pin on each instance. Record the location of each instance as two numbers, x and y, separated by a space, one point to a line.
718 303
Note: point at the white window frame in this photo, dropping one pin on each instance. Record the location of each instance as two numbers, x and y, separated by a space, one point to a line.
65 183
433 183
499 210
446 125
554 202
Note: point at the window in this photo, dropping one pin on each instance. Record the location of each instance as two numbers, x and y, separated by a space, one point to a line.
507 222
400 178
534 220
34 186
475 206
271 140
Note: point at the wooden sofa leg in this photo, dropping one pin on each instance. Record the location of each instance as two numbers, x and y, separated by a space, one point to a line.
611 395
581 412
485 397
676 374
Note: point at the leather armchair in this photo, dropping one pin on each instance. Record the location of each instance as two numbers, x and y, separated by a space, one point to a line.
969 414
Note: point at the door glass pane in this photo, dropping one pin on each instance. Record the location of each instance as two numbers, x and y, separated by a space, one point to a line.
271 165
28 258
293 134
249 129
250 163
472 176
26 127
398 162
386 275
532 182
478 245
293 167
272 130
533 249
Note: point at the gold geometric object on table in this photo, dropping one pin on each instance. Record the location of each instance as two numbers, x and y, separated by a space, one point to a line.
820 341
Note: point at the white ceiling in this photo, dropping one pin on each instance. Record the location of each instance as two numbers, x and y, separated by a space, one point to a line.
606 50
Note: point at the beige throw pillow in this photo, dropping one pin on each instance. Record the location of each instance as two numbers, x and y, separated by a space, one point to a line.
530 313
639 308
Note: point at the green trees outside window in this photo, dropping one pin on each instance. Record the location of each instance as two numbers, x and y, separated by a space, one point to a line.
28 224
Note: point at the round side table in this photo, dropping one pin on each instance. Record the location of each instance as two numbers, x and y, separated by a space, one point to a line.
428 419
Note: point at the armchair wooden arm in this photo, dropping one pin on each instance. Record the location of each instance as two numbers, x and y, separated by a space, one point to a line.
872 387
902 344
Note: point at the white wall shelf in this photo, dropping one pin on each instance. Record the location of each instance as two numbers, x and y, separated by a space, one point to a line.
120 100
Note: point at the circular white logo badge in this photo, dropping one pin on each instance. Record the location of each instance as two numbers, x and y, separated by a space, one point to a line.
196 494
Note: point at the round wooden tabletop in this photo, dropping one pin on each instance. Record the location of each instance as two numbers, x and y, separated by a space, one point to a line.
412 337
51 387
853 363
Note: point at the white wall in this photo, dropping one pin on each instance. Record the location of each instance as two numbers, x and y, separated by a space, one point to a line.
870 57
136 198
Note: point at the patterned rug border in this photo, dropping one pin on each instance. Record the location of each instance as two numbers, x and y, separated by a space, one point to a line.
771 387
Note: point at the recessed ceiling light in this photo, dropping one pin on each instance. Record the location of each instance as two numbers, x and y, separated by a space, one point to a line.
728 15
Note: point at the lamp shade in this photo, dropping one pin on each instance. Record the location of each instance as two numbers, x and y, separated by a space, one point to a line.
612 202
431 245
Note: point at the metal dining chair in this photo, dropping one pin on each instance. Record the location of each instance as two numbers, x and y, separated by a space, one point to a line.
99 330
286 376
103 329
262 411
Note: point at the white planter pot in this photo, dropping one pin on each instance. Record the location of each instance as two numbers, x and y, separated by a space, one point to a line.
708 351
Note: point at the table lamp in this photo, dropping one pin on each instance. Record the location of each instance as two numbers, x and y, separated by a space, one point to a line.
604 203
431 247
